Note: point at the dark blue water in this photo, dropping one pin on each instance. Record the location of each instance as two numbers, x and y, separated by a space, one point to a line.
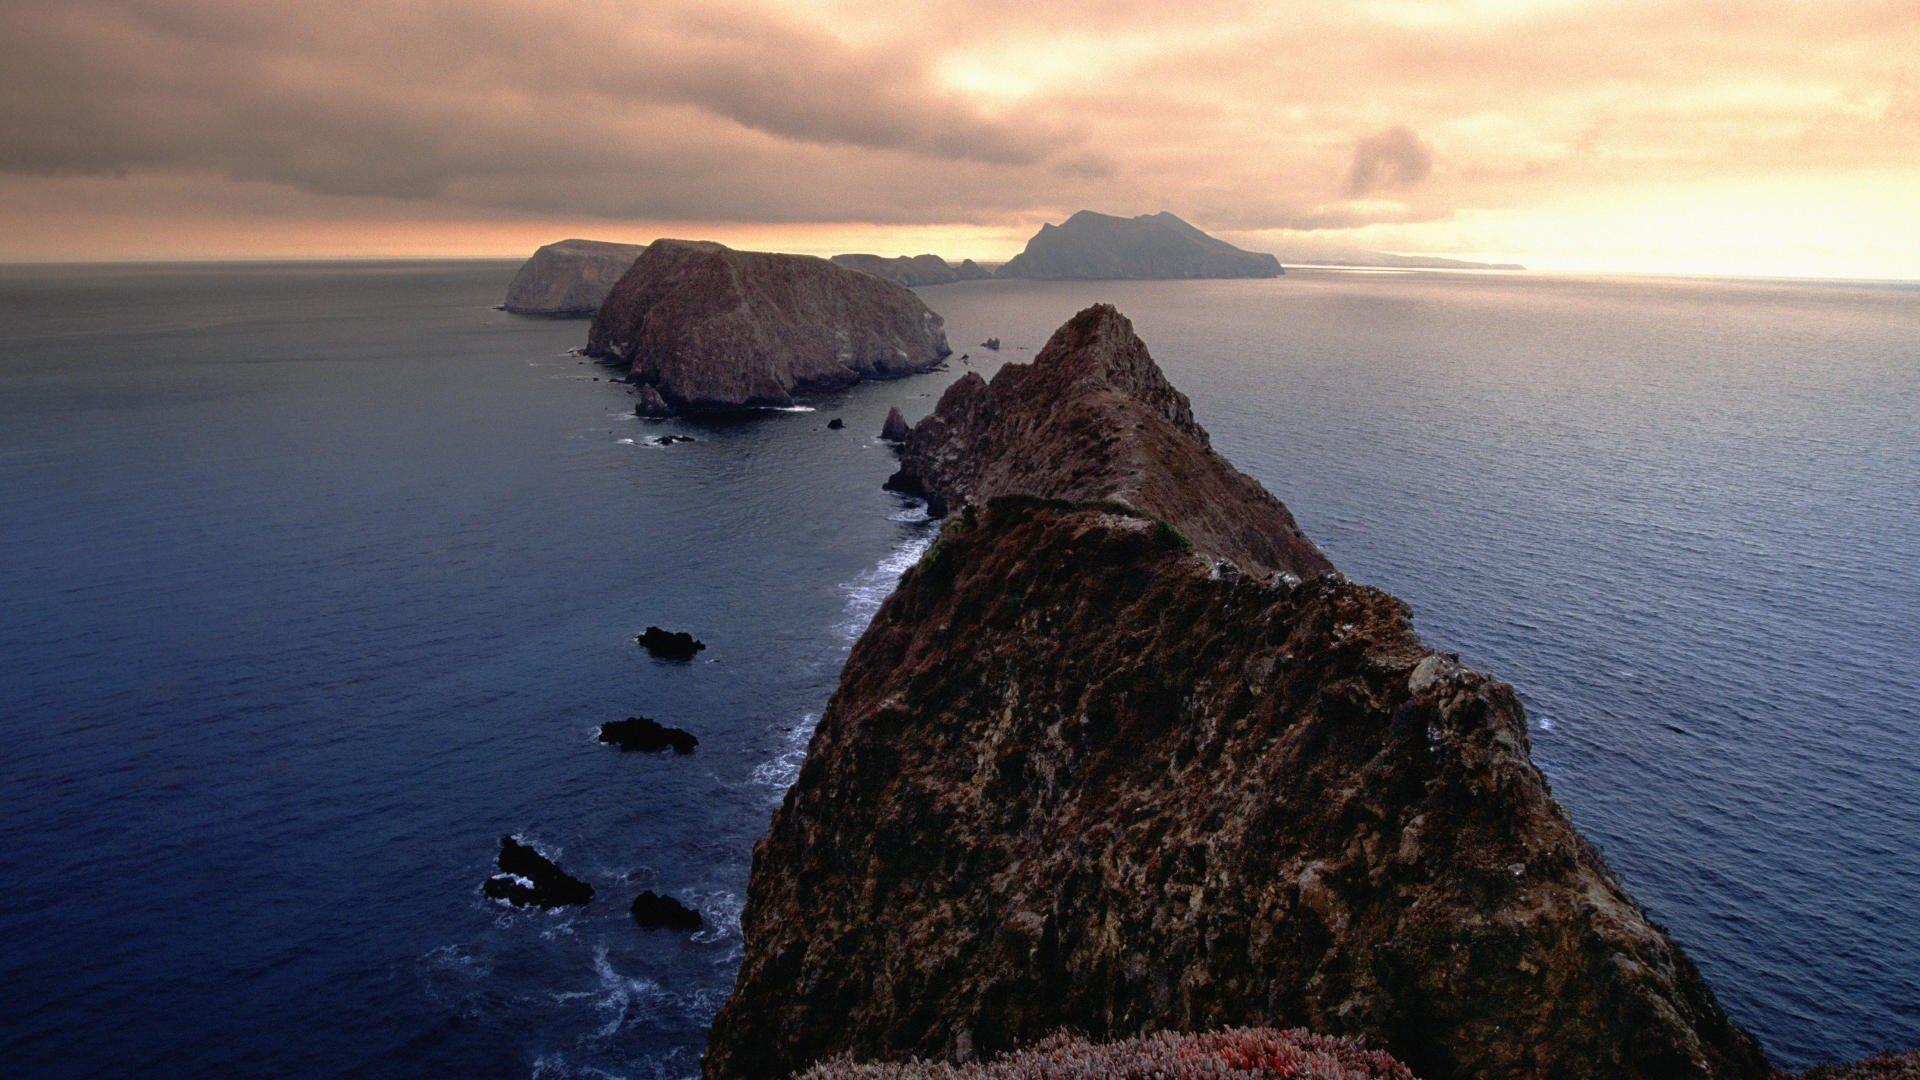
314 580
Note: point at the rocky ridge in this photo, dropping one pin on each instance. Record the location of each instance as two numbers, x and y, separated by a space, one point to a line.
1111 761
913 270
704 328
569 279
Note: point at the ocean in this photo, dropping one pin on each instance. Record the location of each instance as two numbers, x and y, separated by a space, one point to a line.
316 579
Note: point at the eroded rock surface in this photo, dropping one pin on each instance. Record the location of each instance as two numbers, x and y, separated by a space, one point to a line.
569 279
1101 764
1091 246
710 329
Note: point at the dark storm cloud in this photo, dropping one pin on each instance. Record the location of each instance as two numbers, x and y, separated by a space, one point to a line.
422 100
1393 158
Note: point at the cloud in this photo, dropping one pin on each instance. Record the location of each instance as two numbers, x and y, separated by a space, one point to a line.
996 113
1391 158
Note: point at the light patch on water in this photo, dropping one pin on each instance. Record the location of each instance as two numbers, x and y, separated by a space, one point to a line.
780 772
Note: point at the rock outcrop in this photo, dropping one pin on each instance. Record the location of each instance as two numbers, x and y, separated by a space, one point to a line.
569 279
669 644
1093 418
912 270
1237 1054
710 329
650 909
647 735
1120 755
1097 247
894 429
528 877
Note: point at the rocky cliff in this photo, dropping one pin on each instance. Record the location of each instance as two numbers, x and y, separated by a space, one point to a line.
1116 759
912 270
707 328
570 278
1089 247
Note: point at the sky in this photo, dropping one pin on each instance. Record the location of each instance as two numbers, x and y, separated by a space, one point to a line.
1766 137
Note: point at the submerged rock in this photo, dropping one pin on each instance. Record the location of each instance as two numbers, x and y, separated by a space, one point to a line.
669 645
1100 247
528 877
1123 754
647 735
650 909
710 329
895 429
569 279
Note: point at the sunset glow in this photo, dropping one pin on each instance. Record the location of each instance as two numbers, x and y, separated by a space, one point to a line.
1771 137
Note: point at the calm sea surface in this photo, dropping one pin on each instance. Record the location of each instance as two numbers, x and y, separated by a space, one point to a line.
316 579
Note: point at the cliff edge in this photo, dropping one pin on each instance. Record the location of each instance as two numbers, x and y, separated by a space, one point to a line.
704 328
569 279
1115 759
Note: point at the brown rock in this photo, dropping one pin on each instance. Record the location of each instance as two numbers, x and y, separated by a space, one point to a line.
1103 423
713 329
1100 765
895 430
569 279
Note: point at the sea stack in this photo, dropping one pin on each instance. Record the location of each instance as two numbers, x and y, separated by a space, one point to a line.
1100 247
895 429
1123 754
710 329
569 279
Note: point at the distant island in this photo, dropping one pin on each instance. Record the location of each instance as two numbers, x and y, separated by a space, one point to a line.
911 270
569 279
704 328
1091 246
1310 254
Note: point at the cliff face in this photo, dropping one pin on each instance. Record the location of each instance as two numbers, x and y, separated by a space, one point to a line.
569 278
1099 764
1091 247
713 329
1094 418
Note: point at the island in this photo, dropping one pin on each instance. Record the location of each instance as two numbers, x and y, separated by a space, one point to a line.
702 328
1125 754
1091 246
913 270
569 279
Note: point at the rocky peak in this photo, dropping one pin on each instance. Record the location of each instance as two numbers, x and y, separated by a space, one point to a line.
1094 418
1104 764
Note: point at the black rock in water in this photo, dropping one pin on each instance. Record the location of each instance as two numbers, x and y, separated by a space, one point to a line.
647 735
836 424
991 343
669 440
895 430
652 909
669 646
528 877
649 403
